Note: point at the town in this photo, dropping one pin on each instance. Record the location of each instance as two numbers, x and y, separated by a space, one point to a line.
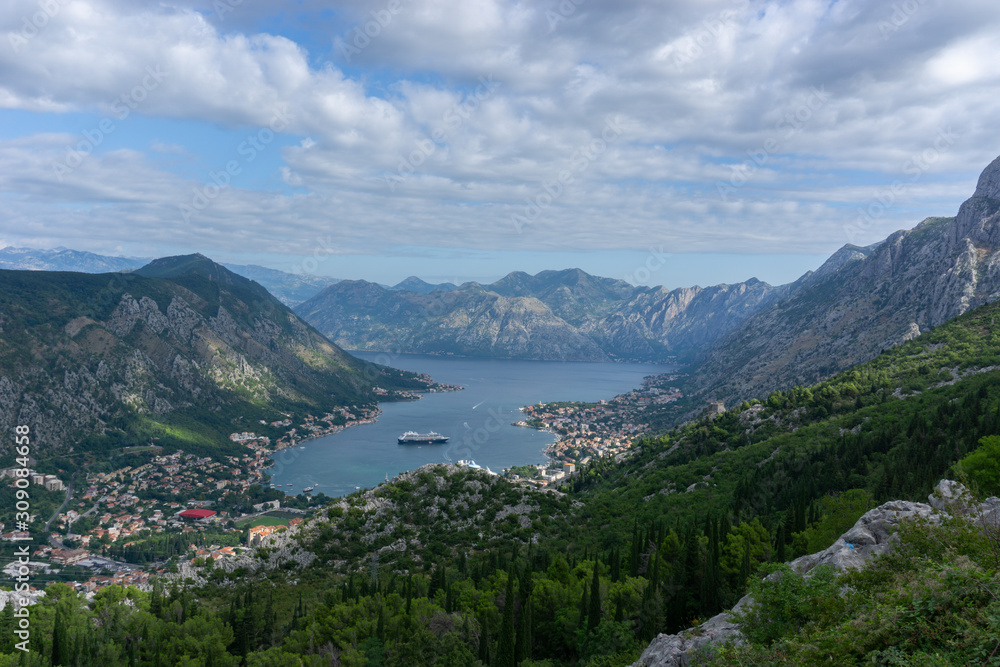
586 431
168 510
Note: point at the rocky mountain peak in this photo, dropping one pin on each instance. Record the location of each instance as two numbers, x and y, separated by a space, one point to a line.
989 181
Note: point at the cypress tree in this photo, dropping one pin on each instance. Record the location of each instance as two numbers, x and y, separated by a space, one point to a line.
523 639
7 628
484 641
594 615
634 553
615 565
156 601
505 647
60 652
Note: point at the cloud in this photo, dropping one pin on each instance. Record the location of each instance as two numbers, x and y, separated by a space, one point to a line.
758 127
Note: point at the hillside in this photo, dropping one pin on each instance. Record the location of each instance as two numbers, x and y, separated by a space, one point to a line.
182 349
556 315
864 300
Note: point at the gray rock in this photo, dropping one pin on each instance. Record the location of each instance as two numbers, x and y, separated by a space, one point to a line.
871 535
949 496
989 181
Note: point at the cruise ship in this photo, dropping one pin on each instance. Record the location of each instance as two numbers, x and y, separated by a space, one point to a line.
414 438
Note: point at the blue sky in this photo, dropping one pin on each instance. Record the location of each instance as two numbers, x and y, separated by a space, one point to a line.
681 143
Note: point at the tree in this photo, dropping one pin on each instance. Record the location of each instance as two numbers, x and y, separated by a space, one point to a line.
594 613
505 647
983 465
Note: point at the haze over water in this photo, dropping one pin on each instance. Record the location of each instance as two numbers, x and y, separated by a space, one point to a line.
477 420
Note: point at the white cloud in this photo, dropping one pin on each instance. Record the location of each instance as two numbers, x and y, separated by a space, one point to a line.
789 107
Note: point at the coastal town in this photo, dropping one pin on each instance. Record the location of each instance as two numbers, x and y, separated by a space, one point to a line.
586 431
168 509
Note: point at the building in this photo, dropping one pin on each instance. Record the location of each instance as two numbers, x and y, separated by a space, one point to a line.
258 533
197 515
68 557
716 408
568 468
53 483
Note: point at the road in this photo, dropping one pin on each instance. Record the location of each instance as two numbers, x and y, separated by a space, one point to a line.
69 497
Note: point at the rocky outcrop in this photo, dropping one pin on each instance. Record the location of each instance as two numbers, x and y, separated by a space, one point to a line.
989 181
870 536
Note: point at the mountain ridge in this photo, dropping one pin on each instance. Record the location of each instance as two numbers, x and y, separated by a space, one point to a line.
126 356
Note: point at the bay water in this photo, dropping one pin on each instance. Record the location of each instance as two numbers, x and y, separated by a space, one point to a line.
477 420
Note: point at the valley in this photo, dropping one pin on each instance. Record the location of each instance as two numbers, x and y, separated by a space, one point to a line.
166 398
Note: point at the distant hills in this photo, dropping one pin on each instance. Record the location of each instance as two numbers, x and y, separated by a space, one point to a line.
64 259
181 349
289 288
556 315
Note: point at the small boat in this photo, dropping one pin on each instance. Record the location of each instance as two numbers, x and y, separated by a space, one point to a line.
308 489
414 438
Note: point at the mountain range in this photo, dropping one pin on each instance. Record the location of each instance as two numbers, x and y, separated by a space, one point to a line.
565 315
739 341
290 288
181 349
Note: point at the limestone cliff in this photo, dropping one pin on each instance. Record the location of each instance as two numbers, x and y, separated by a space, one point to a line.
862 301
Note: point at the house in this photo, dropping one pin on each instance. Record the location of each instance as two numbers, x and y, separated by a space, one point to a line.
68 556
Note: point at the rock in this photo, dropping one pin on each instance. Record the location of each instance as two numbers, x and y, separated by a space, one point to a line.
949 496
871 535
989 181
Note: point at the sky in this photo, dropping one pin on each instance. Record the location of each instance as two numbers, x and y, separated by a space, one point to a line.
677 143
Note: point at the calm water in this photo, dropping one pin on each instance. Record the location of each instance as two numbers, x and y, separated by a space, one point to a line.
477 420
